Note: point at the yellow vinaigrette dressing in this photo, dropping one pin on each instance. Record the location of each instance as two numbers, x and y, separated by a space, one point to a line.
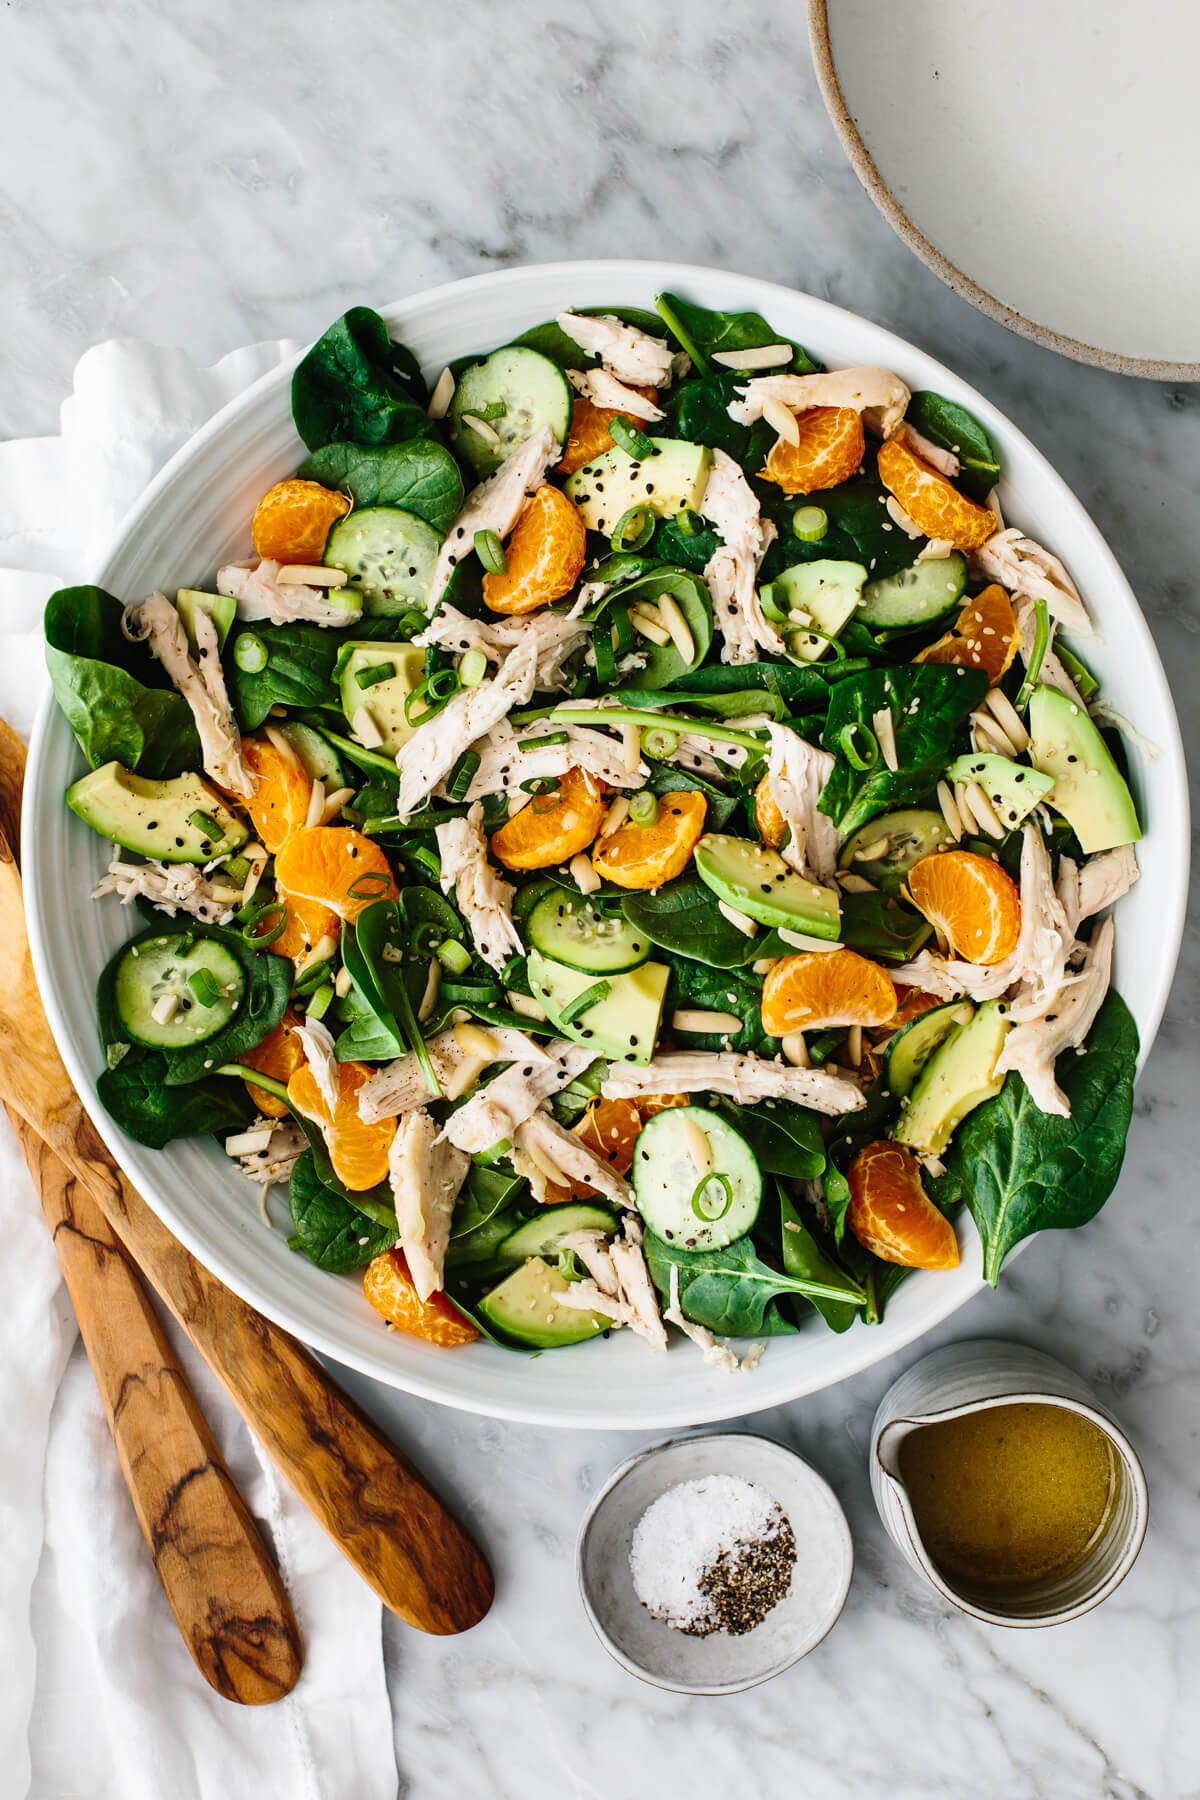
1009 1496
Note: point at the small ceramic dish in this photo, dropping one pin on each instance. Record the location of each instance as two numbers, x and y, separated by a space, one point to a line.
718 1664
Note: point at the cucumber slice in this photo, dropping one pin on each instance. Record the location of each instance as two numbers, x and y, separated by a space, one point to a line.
543 1236
670 1187
321 761
573 930
533 392
388 556
915 596
911 834
914 1044
152 978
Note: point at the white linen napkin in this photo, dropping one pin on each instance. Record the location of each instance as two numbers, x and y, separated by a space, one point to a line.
99 1695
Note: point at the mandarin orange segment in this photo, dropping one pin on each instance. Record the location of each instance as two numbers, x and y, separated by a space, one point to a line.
336 866
388 1286
971 900
358 1151
610 1128
280 1055
985 636
891 1214
819 988
644 856
308 921
294 518
544 553
931 501
912 1003
830 451
768 819
282 792
589 436
649 1104
553 827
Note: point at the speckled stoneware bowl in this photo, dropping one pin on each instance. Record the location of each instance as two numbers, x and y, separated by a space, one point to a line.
718 1664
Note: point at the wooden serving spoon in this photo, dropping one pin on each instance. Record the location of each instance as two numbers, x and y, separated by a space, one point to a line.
384 1517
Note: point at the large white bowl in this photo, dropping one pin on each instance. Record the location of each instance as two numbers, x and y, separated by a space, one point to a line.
196 515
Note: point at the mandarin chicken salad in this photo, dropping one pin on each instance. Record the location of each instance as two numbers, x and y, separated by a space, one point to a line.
634 845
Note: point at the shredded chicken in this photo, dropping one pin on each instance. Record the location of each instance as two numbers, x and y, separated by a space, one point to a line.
732 571
629 354
434 748
425 1175
591 1247
620 1288
201 683
796 773
321 1056
944 461
495 505
285 1145
260 595
570 1154
173 887
602 388
504 764
877 394
715 1353
1032 1047
743 1078
1024 567
557 637
484 898
400 1086
1101 881
950 978
494 1113
1103 714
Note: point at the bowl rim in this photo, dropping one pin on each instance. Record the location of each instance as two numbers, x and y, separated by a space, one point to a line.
705 1404
647 1454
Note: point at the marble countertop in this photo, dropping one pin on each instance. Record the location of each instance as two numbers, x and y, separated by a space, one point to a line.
204 176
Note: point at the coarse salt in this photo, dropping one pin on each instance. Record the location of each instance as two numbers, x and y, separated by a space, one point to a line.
690 1531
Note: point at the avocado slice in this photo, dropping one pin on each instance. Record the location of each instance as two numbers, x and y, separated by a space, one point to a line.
524 1309
755 880
828 593
221 609
958 1077
1089 790
623 1025
382 699
156 818
1013 789
674 477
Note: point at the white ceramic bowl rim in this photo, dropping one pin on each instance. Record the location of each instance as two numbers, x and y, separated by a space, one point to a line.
617 1384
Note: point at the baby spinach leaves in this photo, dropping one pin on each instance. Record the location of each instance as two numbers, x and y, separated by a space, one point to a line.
420 477
298 670
113 694
138 1094
696 987
929 704
785 1138
1020 1170
702 332
878 926
805 1260
950 426
684 918
331 1232
732 1291
665 662
357 386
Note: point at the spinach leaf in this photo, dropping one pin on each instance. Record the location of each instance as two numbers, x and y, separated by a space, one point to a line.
684 918
379 979
732 1291
694 985
671 545
702 332
785 1138
667 778
664 662
949 425
112 692
804 1259
798 688
485 1192
738 703
860 530
420 477
698 412
331 1232
140 1097
298 670
929 704
1021 1170
549 339
882 927
357 386
837 1200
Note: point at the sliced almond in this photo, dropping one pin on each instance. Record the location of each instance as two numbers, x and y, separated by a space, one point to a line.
310 575
764 356
697 1019
782 420
442 395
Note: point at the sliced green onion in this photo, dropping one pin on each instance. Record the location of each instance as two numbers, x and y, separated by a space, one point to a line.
591 996
643 807
676 327
688 522
629 438
321 1001
859 745
313 976
473 668
635 527
839 650
243 1072
206 825
810 523
1041 643
258 940
470 993
622 630
1079 672
615 716
545 743
250 653
606 661
822 1044
453 956
540 784
712 1198
660 743
374 673
462 774
490 552
436 689
495 409
779 615
204 986
373 884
